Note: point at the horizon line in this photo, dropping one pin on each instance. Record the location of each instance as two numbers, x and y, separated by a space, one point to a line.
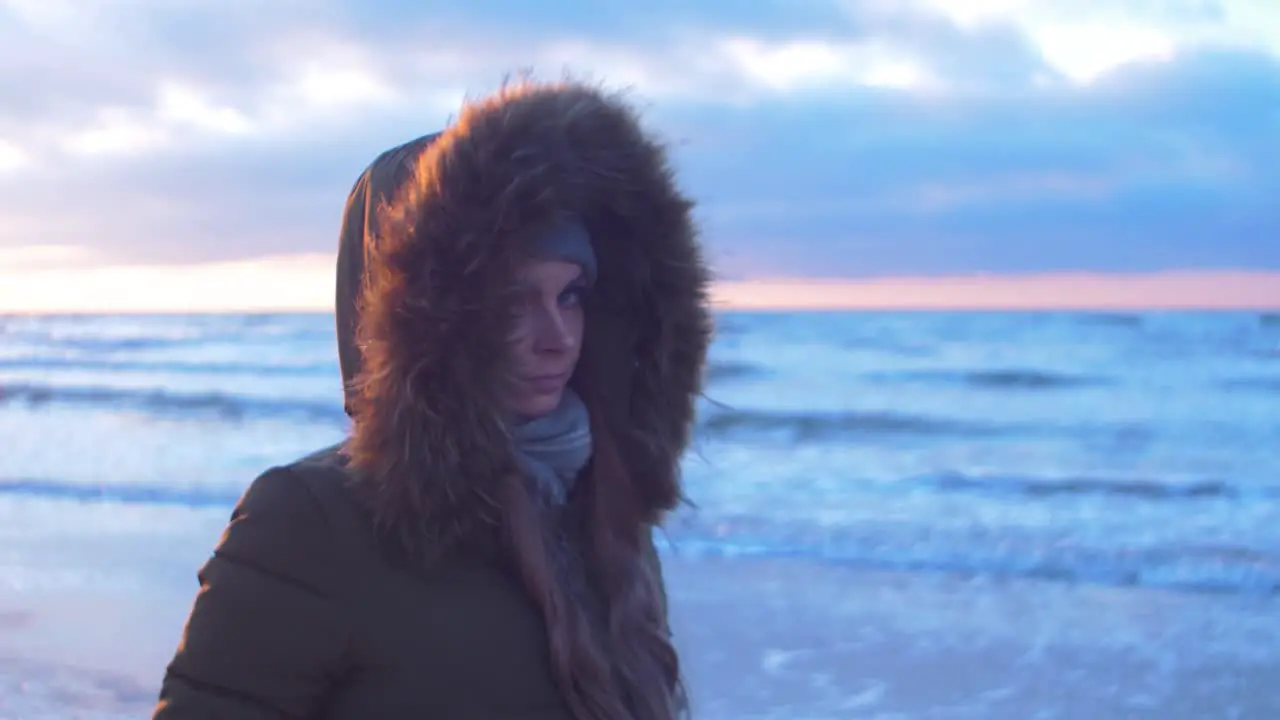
298 284
762 310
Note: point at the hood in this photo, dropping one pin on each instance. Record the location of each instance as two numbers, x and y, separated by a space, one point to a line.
429 247
373 189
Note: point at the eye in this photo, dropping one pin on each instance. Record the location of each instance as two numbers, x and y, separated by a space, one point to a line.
572 296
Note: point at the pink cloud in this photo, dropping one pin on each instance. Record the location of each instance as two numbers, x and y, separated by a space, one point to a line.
1167 290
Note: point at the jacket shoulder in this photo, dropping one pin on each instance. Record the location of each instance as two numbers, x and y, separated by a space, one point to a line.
328 479
281 526
342 492
266 634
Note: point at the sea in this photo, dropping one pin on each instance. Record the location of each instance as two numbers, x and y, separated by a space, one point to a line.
1115 457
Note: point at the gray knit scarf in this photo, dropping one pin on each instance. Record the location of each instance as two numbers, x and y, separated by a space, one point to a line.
554 448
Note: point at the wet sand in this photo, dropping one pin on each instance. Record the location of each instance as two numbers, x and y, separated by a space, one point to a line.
781 639
811 641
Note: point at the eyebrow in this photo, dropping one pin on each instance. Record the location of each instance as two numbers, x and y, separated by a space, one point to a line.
578 281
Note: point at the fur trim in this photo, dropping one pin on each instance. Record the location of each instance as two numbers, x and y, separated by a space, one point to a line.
428 441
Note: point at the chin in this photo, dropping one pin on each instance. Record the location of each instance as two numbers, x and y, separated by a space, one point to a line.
534 406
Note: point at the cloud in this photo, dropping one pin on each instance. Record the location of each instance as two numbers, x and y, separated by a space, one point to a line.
1155 167
822 137
12 157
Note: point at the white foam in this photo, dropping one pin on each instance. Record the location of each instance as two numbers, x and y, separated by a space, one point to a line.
760 638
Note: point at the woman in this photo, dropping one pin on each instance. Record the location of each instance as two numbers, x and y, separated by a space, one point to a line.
532 326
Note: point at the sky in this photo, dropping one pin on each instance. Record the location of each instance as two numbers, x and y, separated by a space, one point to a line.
196 154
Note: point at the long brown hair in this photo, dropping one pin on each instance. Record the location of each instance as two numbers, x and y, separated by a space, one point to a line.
610 646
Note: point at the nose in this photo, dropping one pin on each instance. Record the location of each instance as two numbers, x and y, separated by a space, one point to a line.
553 335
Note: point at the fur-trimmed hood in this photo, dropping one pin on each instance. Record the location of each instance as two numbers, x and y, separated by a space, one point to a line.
428 250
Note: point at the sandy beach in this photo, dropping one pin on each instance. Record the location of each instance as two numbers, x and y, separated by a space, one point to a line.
777 639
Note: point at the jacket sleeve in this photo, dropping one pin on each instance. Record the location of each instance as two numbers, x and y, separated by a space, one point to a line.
264 638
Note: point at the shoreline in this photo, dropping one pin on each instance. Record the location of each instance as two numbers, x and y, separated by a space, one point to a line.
784 638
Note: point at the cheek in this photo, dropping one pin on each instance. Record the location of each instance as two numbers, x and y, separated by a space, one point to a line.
520 341
575 323
521 328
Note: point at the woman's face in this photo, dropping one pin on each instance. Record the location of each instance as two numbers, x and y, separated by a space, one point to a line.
548 335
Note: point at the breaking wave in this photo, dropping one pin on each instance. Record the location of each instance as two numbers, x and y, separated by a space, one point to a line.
728 370
140 494
204 368
801 427
222 406
1141 489
998 379
1203 569
914 547
1254 384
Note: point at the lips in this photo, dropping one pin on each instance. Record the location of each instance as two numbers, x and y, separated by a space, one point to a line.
545 383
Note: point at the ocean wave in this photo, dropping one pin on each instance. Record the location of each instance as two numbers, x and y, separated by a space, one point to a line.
984 552
108 334
1115 319
1255 384
912 547
42 362
105 344
1079 486
1269 319
802 427
223 406
719 424
718 371
134 494
1013 379
1027 380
